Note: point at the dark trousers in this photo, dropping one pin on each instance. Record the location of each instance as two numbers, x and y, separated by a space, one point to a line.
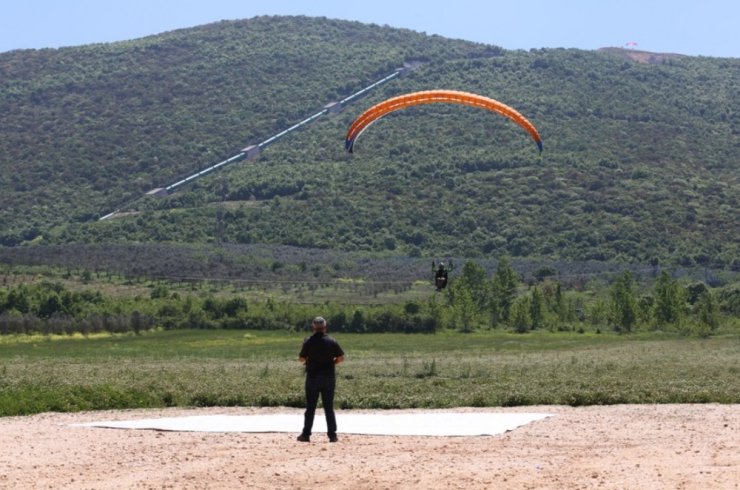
320 385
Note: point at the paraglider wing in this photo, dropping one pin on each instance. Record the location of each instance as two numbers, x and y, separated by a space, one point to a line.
431 97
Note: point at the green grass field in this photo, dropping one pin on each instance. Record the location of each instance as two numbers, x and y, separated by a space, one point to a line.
232 368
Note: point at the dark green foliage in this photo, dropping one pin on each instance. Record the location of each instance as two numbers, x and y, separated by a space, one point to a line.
707 312
624 303
670 300
503 292
640 161
536 309
521 318
52 309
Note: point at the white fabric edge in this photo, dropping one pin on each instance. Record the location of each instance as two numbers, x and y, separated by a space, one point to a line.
412 424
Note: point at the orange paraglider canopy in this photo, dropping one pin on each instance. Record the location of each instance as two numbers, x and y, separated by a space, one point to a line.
431 97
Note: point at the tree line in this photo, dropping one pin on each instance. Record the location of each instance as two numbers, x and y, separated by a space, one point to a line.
669 305
474 300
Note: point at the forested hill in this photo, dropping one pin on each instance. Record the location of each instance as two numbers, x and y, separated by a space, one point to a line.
640 163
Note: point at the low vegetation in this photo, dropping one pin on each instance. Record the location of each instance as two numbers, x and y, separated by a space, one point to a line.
90 342
260 368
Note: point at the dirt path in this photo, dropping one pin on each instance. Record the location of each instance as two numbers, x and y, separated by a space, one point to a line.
613 447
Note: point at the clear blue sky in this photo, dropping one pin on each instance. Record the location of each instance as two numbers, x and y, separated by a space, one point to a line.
697 27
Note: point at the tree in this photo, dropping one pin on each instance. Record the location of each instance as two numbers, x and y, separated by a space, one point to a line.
503 291
669 301
598 312
159 291
473 278
521 319
624 303
536 309
464 310
19 299
435 310
137 322
49 305
694 292
708 311
558 306
468 295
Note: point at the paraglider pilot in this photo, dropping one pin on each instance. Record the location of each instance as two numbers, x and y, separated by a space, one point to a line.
441 275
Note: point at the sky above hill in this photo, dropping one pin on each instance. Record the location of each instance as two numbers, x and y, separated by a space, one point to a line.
704 28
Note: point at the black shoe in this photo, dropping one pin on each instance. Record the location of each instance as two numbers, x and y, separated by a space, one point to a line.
303 438
333 439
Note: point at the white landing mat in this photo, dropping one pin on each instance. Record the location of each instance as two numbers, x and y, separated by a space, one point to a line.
392 424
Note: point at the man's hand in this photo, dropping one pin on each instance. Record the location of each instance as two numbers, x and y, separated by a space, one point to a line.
338 360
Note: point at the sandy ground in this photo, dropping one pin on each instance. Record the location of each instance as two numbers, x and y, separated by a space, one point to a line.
613 447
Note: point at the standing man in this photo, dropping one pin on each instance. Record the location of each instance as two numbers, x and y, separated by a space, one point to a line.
320 353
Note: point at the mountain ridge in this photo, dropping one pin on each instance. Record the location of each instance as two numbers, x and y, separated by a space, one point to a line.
638 166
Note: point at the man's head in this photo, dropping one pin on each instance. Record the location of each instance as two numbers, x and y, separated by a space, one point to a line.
318 324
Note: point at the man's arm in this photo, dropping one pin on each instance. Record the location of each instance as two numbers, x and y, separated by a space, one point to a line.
302 360
339 360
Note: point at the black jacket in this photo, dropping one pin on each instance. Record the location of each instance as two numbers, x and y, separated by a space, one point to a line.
320 350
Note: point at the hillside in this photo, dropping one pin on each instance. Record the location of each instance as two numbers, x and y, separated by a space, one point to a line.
643 56
640 162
